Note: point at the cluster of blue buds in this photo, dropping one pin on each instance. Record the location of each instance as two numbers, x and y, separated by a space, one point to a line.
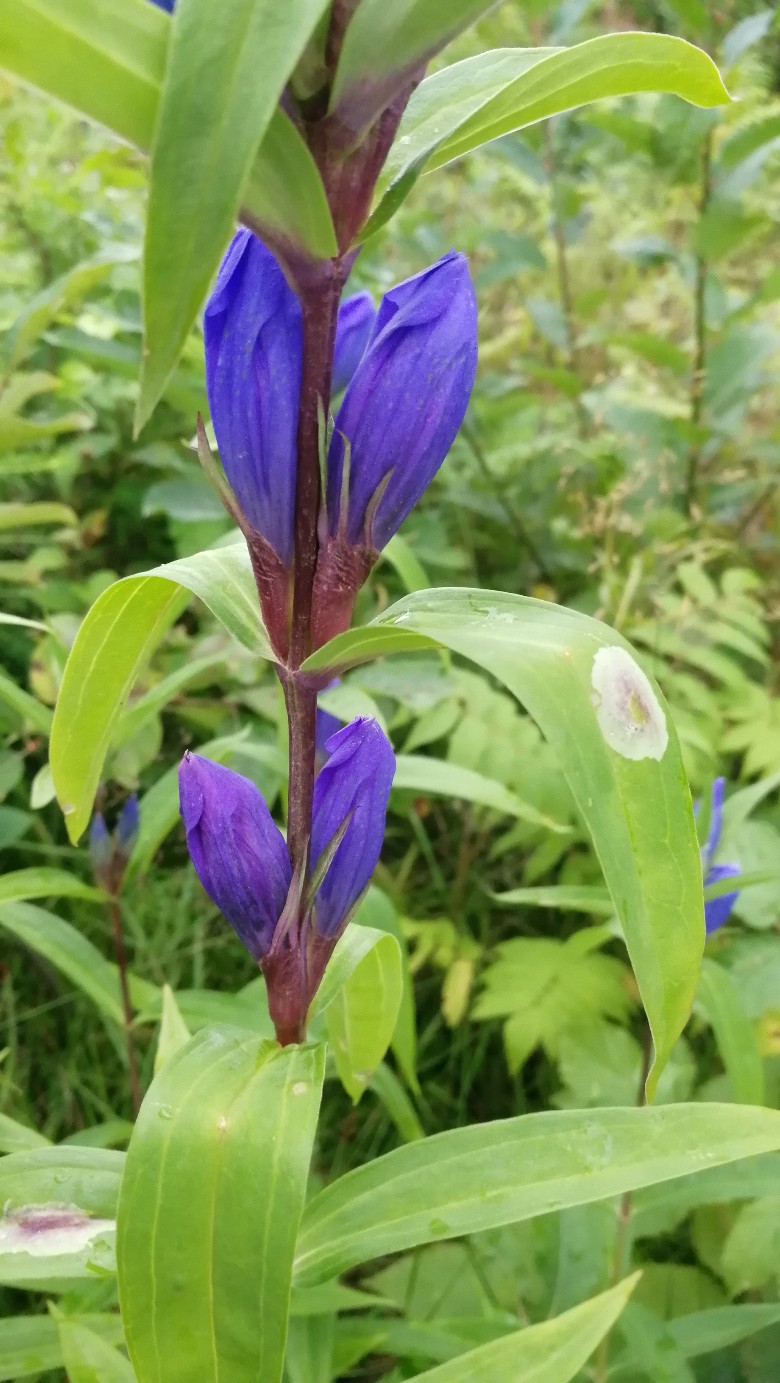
402 376
406 372
241 859
110 851
717 910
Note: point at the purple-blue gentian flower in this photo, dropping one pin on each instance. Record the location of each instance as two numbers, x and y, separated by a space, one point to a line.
405 402
353 787
254 339
717 910
239 853
165 5
241 857
353 330
397 421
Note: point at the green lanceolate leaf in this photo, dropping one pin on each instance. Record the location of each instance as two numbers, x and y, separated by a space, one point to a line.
552 1352
118 636
30 1345
40 881
361 997
68 951
500 1173
566 897
211 1200
84 1177
90 1359
617 746
423 774
720 1000
701 1332
284 196
482 98
29 710
16 1137
63 1201
122 45
105 57
227 66
385 45
174 1033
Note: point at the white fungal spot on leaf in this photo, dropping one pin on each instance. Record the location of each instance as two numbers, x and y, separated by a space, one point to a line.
627 709
46 1230
300 1087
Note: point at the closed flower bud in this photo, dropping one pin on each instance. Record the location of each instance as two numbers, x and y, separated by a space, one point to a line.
101 847
350 807
355 322
238 851
253 338
398 419
405 403
127 827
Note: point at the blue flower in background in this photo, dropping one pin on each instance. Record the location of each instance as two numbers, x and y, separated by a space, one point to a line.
164 5
353 330
101 845
110 851
127 825
717 910
404 404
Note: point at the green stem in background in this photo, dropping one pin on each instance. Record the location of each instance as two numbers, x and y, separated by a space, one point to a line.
564 278
499 489
115 915
619 1266
700 335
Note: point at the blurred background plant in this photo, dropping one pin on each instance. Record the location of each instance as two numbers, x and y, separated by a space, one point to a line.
620 455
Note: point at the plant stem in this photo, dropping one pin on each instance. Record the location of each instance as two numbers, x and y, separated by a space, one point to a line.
700 334
115 914
564 278
624 1214
319 305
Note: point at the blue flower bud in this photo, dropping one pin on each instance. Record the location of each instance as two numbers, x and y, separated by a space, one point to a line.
238 851
350 794
353 330
405 403
165 5
254 339
101 847
127 826
717 910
